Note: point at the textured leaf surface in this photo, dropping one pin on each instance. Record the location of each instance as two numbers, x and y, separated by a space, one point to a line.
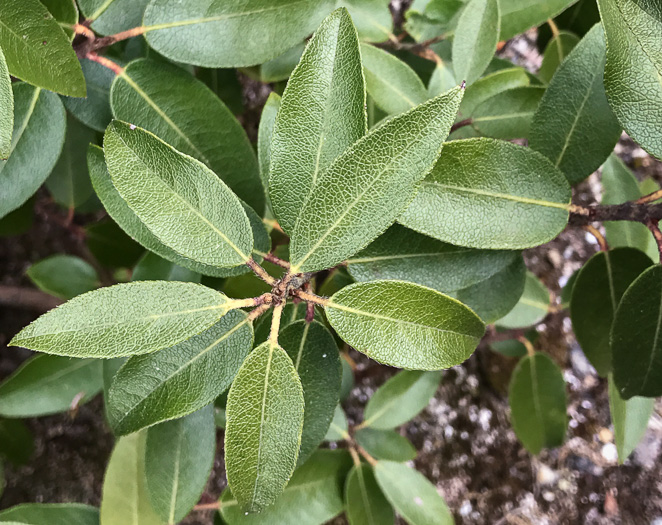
181 379
50 513
557 49
179 455
37 50
113 16
6 109
532 306
403 254
183 203
187 115
636 337
412 495
490 85
633 73
575 128
475 40
519 15
94 110
63 276
364 501
265 134
538 403
125 319
264 422
232 33
39 129
313 495
321 114
385 444
48 384
314 352
598 289
400 399
524 196
368 186
405 325
124 500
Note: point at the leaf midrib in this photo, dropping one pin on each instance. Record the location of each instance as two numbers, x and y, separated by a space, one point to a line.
26 120
364 260
272 347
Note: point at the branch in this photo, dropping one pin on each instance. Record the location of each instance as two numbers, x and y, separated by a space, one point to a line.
602 242
118 37
115 68
311 298
654 227
629 211
275 324
260 272
28 299
461 124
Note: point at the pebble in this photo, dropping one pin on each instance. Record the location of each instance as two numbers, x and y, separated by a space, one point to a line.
610 452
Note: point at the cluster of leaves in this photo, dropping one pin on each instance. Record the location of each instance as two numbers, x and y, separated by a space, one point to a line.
411 248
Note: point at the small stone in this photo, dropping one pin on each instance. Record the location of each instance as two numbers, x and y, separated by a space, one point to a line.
546 476
605 435
610 452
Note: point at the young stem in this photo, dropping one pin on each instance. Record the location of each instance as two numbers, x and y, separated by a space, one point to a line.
216 505
461 124
118 37
355 456
312 298
275 324
262 300
115 68
257 312
528 345
553 27
365 454
654 227
651 197
602 242
276 260
260 272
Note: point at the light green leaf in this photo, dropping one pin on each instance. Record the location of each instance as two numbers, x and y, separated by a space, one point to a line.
400 399
146 316
538 403
93 111
264 423
6 109
598 289
412 495
321 114
187 115
372 18
48 384
364 501
532 306
633 73
369 185
232 33
630 419
37 50
182 202
113 16
63 276
16 442
313 495
124 500
151 267
402 254
315 356
476 38
385 444
281 67
557 49
39 129
51 513
392 84
442 80
179 380
65 12
523 194
338 427
265 134
508 114
519 15
636 336
567 120
405 325
179 456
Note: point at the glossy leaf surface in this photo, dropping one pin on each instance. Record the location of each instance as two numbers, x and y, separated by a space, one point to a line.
113 16
63 276
532 306
475 40
385 444
94 110
364 501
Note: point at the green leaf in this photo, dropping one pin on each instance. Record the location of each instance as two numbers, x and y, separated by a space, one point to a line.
51 513
37 50
232 33
404 324
124 498
113 16
39 129
364 501
180 200
476 38
146 316
179 380
65 12
532 306
6 109
48 384
385 444
265 134
369 185
524 196
392 84
400 399
442 80
192 119
111 246
538 403
264 423
598 289
372 18
316 359
179 456
401 254
321 114
151 267
93 111
338 427
281 67
558 48
63 276
16 442
490 85
568 121
630 419
633 73
313 495
508 114
519 15
412 495
635 337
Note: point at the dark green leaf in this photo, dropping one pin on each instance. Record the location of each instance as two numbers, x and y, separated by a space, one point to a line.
93 111
508 114
51 514
365 503
519 15
281 67
489 86
113 16
63 276
65 12
555 52
532 306
151 267
385 444
111 246
16 443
